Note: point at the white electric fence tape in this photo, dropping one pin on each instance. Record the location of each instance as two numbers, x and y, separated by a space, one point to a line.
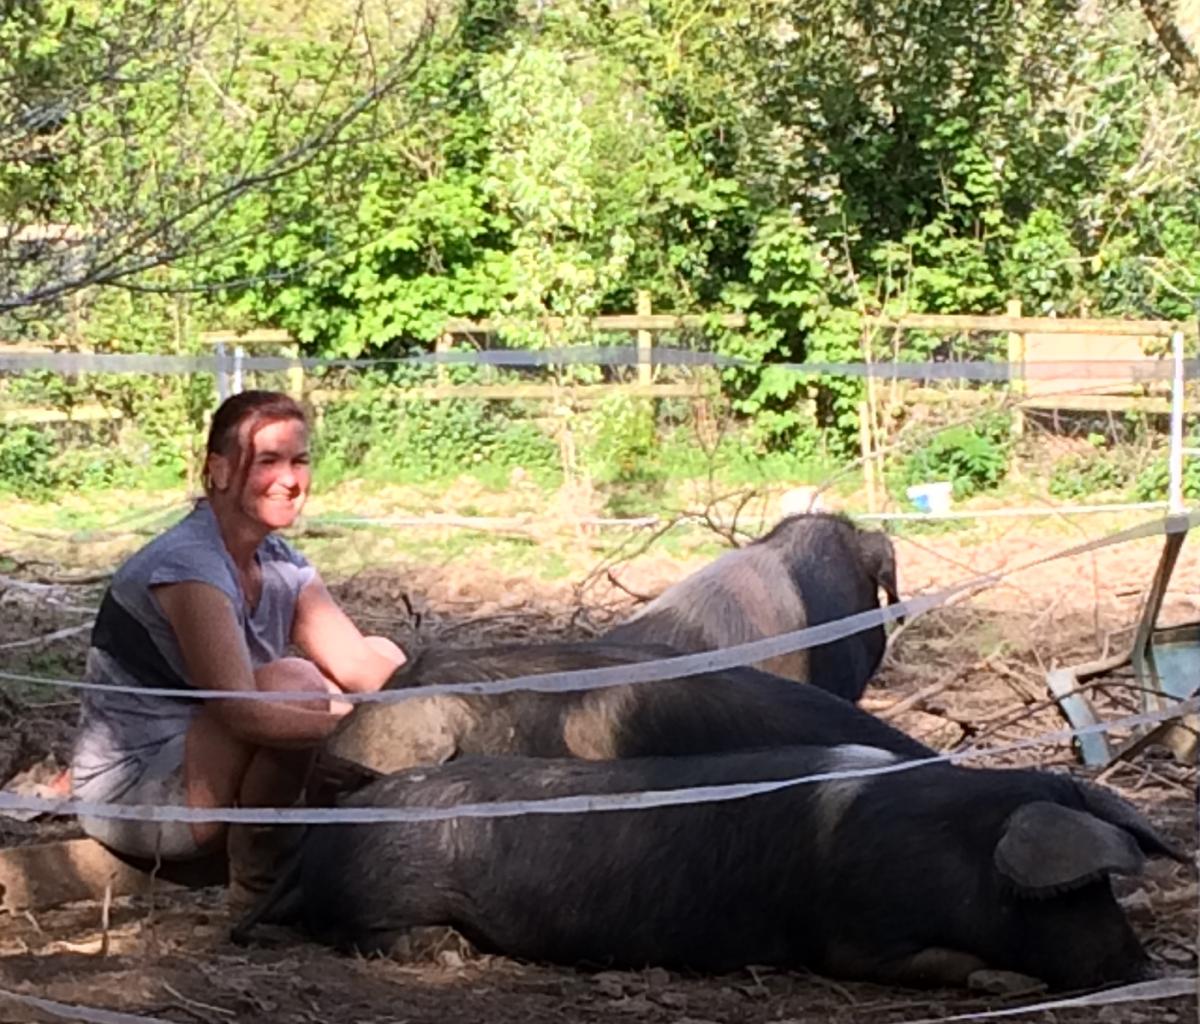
1139 992
665 668
594 678
1135 370
579 804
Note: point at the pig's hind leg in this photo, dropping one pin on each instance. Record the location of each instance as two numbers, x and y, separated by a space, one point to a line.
932 967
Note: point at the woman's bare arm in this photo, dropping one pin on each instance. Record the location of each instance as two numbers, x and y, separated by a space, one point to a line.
215 654
327 635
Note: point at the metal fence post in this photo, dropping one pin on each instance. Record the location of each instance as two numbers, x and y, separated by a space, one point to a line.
219 372
1175 504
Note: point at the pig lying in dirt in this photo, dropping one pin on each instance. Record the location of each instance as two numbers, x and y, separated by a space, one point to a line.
735 709
921 876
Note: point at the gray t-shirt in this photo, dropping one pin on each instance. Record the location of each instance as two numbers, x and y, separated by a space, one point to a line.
133 645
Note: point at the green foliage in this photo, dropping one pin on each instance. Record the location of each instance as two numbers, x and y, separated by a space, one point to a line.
1043 265
27 462
790 300
973 457
1153 483
622 439
97 468
620 442
800 163
379 433
1083 475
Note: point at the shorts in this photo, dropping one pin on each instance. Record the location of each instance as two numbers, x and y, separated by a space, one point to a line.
159 782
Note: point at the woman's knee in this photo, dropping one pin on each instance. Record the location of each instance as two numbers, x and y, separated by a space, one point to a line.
389 649
293 675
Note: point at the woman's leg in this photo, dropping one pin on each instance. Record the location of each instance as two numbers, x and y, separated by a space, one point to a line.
221 770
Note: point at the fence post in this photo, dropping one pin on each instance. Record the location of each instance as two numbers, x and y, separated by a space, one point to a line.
1016 368
1175 503
444 343
868 456
645 339
295 374
219 374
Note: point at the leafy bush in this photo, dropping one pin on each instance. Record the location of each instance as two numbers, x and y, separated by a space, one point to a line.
623 442
1080 476
27 462
1153 482
1084 474
380 432
97 468
973 457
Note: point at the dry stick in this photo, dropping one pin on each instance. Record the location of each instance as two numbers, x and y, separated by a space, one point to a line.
1095 573
965 565
105 911
1018 682
641 598
953 602
188 1003
150 890
45 638
729 533
1048 611
1028 711
923 694
75 581
615 557
1168 782
833 986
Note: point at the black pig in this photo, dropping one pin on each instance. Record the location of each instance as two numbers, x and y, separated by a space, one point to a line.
808 570
734 709
921 876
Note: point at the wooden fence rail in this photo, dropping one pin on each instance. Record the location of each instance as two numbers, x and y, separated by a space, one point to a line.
1029 340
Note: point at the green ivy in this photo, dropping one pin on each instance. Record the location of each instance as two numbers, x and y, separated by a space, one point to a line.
1153 483
27 462
973 457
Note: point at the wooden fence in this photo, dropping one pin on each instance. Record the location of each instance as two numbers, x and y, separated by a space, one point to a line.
1029 340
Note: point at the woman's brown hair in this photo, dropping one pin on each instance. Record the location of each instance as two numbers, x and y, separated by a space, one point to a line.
255 408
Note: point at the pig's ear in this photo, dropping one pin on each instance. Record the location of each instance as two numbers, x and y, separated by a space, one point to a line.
1047 848
1104 803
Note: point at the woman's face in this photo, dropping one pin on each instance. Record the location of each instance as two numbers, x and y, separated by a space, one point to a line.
276 480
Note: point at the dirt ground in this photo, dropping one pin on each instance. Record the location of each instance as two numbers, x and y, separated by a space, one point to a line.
969 673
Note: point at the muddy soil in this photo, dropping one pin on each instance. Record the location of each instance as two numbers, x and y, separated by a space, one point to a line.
969 673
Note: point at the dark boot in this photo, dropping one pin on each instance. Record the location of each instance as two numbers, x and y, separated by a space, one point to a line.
258 855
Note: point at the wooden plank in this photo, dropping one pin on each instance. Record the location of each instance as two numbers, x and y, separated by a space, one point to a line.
37 350
508 392
610 322
1026 324
44 875
1099 403
261 337
909 393
1016 358
1087 403
1094 349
